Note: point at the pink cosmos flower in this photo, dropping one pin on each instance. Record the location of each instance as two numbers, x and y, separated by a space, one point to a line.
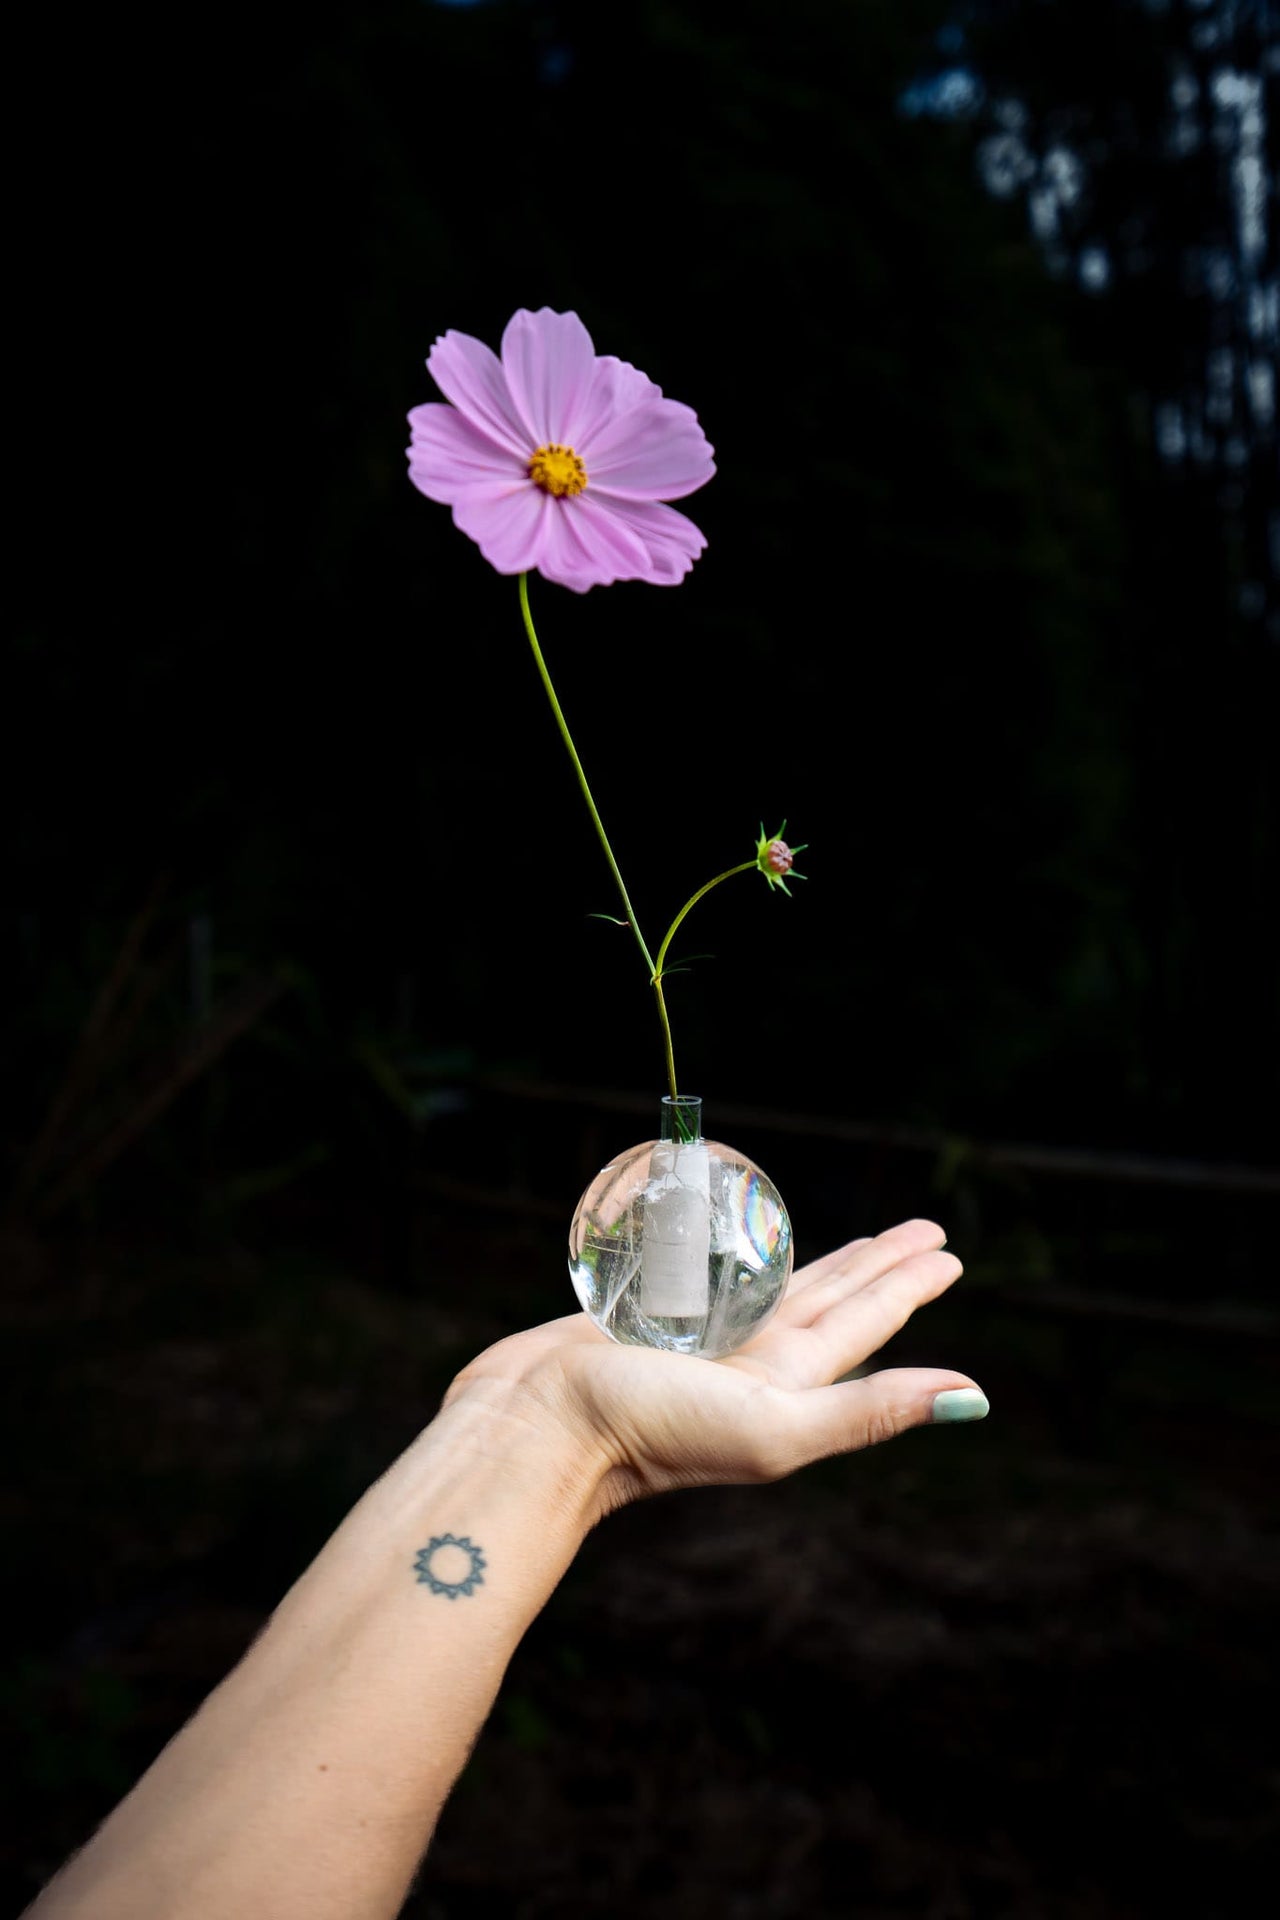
557 459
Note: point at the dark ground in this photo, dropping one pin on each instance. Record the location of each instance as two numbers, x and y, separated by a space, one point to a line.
1023 1669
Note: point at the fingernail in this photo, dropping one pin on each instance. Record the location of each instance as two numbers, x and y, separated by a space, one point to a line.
960 1403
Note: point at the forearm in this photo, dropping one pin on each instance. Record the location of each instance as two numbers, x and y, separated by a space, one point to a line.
310 1781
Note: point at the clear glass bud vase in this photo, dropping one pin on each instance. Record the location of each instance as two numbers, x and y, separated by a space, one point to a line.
681 1243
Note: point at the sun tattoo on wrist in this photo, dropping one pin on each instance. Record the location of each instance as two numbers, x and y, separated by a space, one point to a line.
450 1547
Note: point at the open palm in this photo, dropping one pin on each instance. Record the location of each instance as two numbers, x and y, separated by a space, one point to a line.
663 1420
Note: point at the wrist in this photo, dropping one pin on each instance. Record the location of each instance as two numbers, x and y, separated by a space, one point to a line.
491 1476
522 1435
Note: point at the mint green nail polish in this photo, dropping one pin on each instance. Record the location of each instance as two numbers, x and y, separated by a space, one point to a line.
960 1403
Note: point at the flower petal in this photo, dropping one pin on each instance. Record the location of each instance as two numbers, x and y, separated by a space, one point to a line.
507 523
587 545
657 451
616 387
447 454
671 540
549 361
470 375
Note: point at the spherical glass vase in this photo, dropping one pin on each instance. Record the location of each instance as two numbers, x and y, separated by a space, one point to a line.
682 1244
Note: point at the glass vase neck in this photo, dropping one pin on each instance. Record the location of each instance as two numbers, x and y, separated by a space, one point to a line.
682 1117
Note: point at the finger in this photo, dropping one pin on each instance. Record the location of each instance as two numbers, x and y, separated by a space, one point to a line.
862 1413
853 1329
819 1269
858 1265
869 1254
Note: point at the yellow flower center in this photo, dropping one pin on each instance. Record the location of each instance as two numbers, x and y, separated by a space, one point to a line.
557 470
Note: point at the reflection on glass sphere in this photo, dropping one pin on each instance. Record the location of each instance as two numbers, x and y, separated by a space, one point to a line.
681 1245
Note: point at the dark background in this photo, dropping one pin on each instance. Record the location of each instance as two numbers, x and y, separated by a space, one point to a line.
312 1042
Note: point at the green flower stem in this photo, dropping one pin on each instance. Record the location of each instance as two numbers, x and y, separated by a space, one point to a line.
656 983
747 867
655 973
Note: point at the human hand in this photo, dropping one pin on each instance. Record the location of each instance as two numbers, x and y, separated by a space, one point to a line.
649 1421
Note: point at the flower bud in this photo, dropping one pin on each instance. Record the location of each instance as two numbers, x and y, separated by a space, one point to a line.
775 858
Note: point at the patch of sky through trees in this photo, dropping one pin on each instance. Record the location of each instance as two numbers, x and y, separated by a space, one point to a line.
1136 136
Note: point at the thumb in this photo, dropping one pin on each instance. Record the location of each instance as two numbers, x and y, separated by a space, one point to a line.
861 1413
